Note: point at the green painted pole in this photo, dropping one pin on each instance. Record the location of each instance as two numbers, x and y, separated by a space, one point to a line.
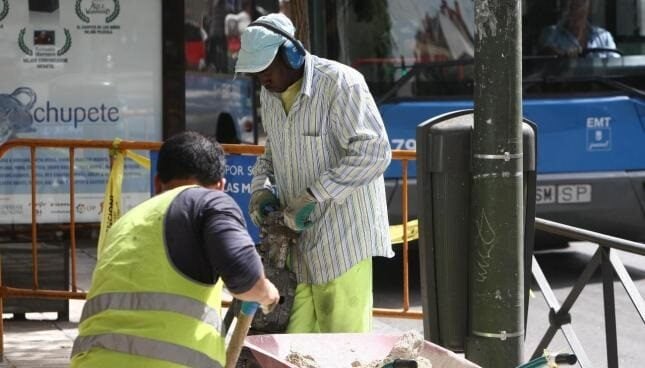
496 269
318 27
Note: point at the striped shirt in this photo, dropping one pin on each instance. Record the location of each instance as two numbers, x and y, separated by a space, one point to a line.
333 142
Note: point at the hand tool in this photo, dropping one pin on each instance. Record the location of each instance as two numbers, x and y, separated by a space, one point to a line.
244 319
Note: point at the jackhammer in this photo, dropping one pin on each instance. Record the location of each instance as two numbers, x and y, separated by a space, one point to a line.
276 239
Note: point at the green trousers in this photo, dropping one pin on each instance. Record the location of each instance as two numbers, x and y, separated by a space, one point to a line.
341 305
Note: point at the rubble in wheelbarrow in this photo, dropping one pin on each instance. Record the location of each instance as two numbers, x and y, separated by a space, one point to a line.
408 347
301 360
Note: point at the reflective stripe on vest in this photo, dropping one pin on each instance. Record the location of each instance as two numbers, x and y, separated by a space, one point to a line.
145 347
152 301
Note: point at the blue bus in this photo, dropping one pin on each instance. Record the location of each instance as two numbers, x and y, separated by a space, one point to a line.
588 101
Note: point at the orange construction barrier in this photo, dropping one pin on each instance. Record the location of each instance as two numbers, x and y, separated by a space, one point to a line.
122 147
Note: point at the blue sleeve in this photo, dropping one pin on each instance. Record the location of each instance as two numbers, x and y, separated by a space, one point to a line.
228 245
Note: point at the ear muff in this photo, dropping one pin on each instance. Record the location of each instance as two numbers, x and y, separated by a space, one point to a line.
293 53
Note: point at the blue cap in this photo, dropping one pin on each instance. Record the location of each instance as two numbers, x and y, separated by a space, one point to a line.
260 45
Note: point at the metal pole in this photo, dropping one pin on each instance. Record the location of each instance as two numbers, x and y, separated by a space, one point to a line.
300 19
496 266
317 27
610 308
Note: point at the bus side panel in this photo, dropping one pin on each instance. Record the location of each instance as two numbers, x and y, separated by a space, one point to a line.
574 135
587 135
401 120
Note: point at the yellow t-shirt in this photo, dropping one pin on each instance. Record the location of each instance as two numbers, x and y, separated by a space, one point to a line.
288 97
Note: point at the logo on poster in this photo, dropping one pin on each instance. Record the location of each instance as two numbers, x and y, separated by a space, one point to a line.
15 114
44 42
97 7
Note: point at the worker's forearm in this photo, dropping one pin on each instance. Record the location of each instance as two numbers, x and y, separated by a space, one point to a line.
263 292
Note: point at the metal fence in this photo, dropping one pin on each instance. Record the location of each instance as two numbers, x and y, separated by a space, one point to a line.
608 261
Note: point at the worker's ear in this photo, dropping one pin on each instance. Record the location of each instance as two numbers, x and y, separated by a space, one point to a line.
220 185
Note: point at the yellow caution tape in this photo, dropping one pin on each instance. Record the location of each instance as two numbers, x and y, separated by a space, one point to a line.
111 206
396 232
143 161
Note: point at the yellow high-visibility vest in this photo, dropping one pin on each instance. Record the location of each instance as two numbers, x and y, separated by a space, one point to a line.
140 311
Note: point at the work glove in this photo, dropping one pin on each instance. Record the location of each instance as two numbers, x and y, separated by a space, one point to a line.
262 202
296 215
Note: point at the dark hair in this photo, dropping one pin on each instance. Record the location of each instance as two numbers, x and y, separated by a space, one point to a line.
190 155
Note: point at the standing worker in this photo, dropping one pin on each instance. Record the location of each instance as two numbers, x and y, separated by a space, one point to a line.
155 299
325 154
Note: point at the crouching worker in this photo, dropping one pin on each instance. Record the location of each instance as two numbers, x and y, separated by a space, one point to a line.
155 297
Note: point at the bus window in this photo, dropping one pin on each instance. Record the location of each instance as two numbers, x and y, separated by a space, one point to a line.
434 41
390 38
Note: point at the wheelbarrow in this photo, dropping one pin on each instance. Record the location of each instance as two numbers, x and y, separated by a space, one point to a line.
335 350
340 350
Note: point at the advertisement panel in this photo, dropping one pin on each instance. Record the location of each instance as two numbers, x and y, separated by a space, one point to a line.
238 186
76 69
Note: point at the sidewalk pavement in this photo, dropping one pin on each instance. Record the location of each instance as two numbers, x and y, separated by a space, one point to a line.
41 341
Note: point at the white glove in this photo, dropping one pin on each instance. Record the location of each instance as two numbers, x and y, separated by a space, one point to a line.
262 202
296 215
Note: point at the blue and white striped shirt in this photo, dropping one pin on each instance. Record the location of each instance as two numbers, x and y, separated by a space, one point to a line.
333 142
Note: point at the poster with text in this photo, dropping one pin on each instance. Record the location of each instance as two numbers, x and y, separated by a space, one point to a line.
76 69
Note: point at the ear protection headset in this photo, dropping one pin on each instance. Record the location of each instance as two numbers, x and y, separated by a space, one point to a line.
292 51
